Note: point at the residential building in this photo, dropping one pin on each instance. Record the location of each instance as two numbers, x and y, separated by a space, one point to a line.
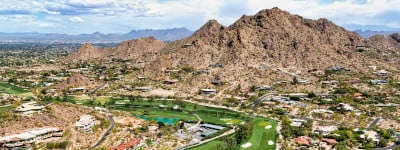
16 141
86 123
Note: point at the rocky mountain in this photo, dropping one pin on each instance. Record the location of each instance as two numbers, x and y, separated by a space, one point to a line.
272 38
142 49
75 81
166 35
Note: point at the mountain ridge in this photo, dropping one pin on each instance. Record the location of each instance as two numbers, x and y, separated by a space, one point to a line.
272 38
166 35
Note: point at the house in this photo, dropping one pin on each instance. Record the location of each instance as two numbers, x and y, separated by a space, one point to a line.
338 69
280 82
331 83
208 91
378 82
216 65
325 130
143 89
322 111
186 45
141 78
171 71
382 73
371 135
243 91
217 83
170 82
18 141
346 107
303 82
303 140
211 126
264 88
295 95
86 123
201 71
329 141
318 73
131 144
80 89
29 108
297 122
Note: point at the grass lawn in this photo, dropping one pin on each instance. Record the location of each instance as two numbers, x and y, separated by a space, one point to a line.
209 146
12 89
5 108
260 136
155 112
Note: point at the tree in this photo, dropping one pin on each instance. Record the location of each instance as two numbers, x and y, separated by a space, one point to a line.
230 142
383 142
295 80
253 88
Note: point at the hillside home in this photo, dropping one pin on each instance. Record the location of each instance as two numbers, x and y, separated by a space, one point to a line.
29 108
297 122
378 82
216 65
329 141
131 144
171 71
208 91
331 83
79 89
325 130
243 91
86 123
371 135
303 140
318 73
217 83
143 89
264 88
17 141
346 107
382 73
170 82
338 69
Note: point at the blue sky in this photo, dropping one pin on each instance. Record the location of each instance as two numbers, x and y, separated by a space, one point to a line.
121 16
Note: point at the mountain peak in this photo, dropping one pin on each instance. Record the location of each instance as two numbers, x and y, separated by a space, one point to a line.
210 29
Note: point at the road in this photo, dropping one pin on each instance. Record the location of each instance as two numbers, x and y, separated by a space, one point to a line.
198 117
234 85
103 137
374 123
205 141
391 147
98 88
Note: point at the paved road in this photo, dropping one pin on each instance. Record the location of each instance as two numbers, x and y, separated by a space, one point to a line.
205 141
103 137
374 123
98 88
391 147
198 117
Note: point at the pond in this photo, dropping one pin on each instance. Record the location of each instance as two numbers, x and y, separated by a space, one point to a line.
158 119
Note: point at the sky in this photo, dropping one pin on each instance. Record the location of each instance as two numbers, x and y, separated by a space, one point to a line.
122 16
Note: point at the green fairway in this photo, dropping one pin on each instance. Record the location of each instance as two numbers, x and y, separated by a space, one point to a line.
12 89
260 136
209 146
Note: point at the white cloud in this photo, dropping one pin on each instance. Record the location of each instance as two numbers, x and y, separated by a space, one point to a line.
91 3
143 14
76 19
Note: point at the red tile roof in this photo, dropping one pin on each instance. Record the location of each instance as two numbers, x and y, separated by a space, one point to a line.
329 141
303 140
133 142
